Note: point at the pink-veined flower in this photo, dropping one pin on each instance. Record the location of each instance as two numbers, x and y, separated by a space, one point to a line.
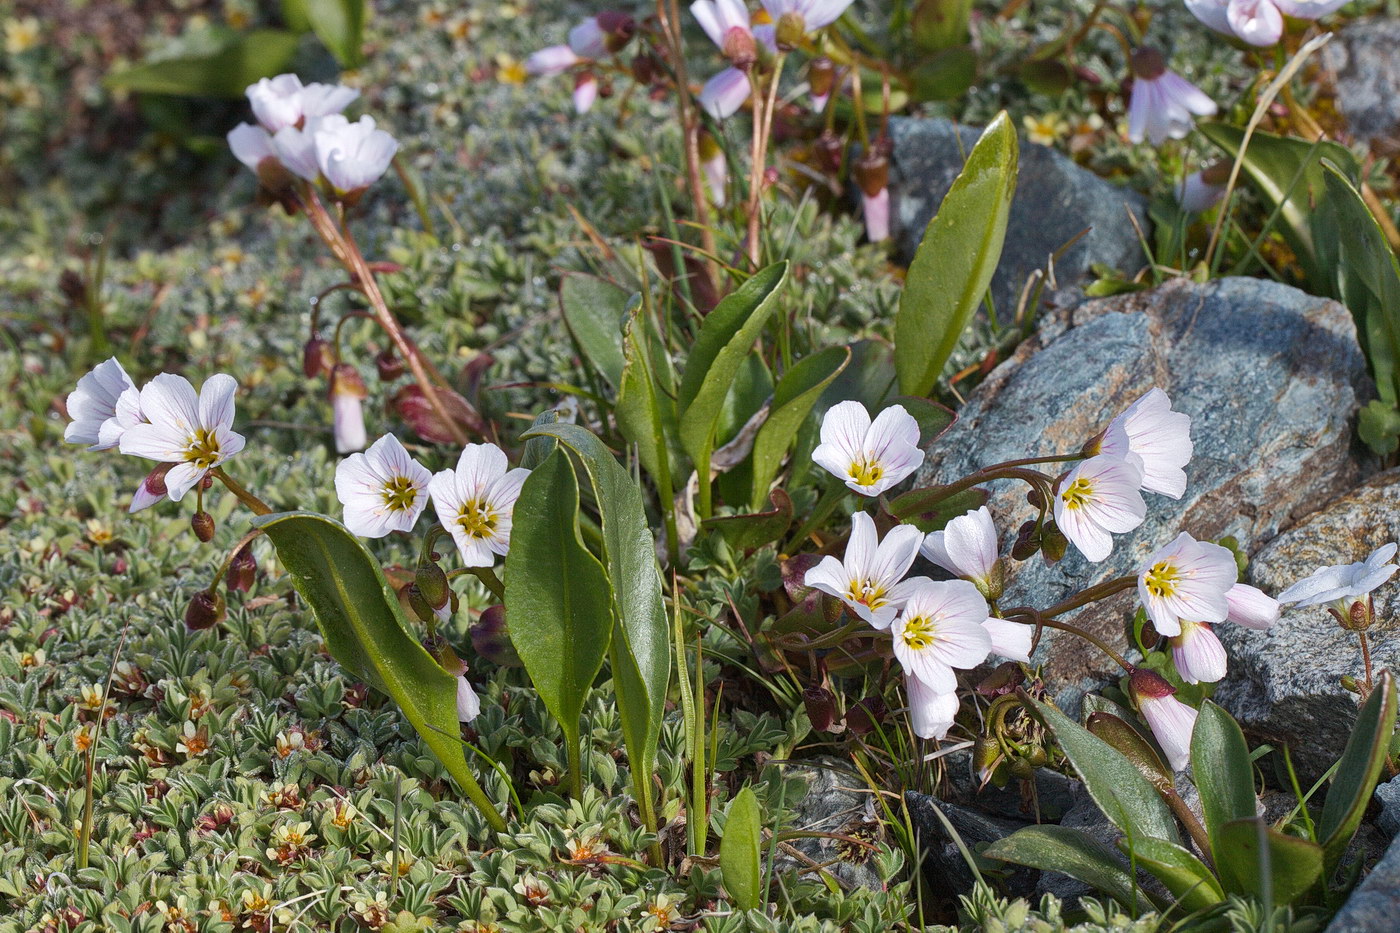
1186 580
475 501
98 415
941 629
1171 720
1098 499
1197 653
192 430
1251 607
1163 102
382 490
870 578
1158 436
869 456
931 714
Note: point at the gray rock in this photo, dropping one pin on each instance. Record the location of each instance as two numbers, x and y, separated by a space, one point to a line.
836 802
1365 71
1388 796
1283 683
1052 798
944 865
1055 200
1270 377
1375 904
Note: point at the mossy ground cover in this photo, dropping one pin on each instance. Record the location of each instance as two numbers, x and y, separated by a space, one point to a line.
242 780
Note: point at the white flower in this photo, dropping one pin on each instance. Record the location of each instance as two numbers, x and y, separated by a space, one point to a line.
348 393
1159 436
99 417
1258 22
868 579
468 703
719 17
875 209
716 169
966 547
1162 101
251 145
1250 607
1011 640
1186 580
1099 498
556 59
1198 654
931 714
352 156
295 148
276 101
191 430
869 456
940 629
815 14
1197 193
1343 582
725 93
322 100
1171 720
475 501
585 92
588 40
383 489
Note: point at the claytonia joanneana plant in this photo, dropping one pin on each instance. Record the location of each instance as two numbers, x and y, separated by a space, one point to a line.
869 457
870 578
474 502
1258 22
1163 103
383 489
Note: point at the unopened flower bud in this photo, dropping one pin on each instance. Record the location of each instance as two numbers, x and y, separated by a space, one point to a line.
1147 63
1053 542
790 31
203 525
432 585
316 357
870 712
821 707
830 150
491 638
871 173
420 606
740 49
347 409
645 68
205 610
443 653
152 488
242 570
389 365
1027 541
618 29
821 78
1350 684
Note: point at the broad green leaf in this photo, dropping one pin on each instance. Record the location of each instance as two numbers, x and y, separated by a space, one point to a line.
359 616
538 446
1126 797
641 647
954 263
1358 770
1132 746
1256 860
739 851
595 310
1222 770
1186 876
558 605
1286 173
646 410
940 24
725 339
945 75
1367 281
340 25
747 532
225 70
294 15
793 399
1070 852
930 508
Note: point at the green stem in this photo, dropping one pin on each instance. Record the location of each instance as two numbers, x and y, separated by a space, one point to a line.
705 504
489 579
1092 639
258 506
575 752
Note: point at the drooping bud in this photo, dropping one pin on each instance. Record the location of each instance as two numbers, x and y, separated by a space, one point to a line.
1171 720
871 172
205 610
389 365
585 91
821 707
740 48
821 78
151 490
411 405
347 409
203 525
434 589
1027 541
446 656
790 31
1147 63
420 606
1053 542
830 150
645 68
317 357
491 638
862 718
242 569
618 29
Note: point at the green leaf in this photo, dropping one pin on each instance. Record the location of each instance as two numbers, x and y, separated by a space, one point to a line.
945 74
932 507
725 339
359 616
558 605
793 399
933 419
748 532
1256 860
538 446
225 71
340 25
940 24
1126 797
594 310
1286 173
1358 770
1378 424
1131 745
646 409
1180 872
641 655
1222 770
739 851
955 261
1071 852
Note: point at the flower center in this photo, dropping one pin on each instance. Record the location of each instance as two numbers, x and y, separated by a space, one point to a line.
400 494
919 632
202 448
866 471
1161 579
867 593
1077 494
477 518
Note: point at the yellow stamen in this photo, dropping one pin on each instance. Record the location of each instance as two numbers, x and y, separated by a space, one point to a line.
1161 579
919 632
477 518
866 471
1077 494
400 494
867 593
202 448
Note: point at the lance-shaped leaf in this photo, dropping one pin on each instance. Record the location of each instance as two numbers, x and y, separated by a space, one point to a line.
594 312
1257 860
955 260
725 339
558 607
646 408
340 24
793 399
224 69
1071 852
739 851
641 647
1180 872
1222 770
1358 770
747 532
359 617
932 507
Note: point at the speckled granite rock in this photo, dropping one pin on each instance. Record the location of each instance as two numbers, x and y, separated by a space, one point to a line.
1055 200
836 802
1270 376
1374 907
1283 683
1365 70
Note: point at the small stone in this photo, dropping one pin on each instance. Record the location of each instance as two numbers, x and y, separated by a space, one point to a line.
836 802
1388 796
1375 903
1365 73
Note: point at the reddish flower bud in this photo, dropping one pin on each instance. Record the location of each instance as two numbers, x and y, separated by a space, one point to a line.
821 76
316 357
821 707
413 407
862 718
618 28
491 638
830 149
389 365
203 525
242 569
205 610
871 173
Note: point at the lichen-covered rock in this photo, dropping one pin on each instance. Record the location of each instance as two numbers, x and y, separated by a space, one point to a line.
1055 200
1271 378
836 802
1283 684
1375 903
1365 72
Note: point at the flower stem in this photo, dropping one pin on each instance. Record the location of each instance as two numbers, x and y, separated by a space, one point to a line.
258 506
1092 594
488 578
1089 637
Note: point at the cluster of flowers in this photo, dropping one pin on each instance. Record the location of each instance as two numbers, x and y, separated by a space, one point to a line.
1258 22
301 130
591 41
